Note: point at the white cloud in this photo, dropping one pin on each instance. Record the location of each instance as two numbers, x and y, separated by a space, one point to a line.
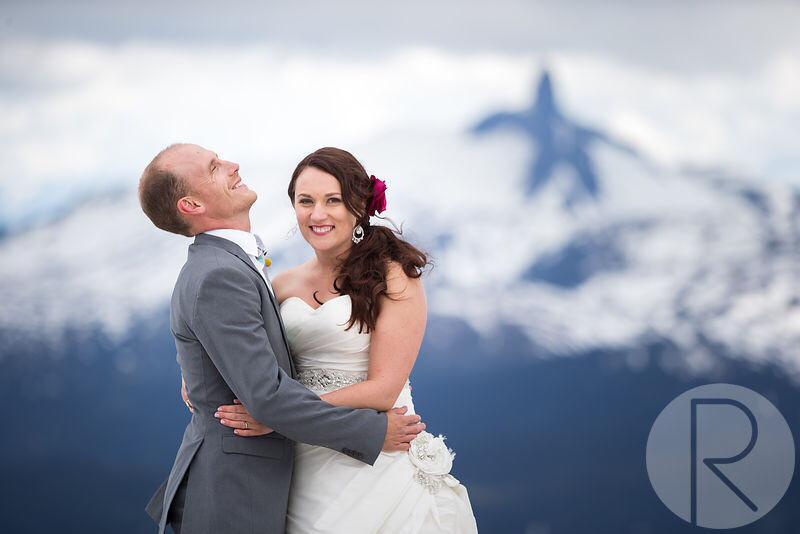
82 116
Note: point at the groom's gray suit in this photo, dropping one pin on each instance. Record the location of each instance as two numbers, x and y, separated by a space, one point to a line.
231 344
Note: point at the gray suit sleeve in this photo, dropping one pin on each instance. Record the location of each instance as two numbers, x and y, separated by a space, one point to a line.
227 321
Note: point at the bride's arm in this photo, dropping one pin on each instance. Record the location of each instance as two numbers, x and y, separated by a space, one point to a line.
394 345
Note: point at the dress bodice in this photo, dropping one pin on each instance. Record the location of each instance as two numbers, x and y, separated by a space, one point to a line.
318 339
326 354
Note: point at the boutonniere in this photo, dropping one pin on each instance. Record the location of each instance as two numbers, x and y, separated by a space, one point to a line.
262 253
263 258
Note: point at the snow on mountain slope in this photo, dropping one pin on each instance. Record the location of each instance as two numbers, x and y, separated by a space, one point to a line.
704 261
662 256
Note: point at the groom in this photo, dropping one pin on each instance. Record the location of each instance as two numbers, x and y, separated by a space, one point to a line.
231 344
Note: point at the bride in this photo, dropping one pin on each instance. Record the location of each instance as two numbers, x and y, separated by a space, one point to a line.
355 316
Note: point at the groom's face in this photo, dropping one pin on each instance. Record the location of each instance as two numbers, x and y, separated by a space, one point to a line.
213 183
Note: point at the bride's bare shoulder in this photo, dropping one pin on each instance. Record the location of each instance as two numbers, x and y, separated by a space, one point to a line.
287 282
399 284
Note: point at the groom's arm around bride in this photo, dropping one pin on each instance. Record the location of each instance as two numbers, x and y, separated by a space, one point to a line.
228 325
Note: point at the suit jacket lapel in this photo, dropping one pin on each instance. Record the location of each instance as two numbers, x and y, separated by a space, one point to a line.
236 250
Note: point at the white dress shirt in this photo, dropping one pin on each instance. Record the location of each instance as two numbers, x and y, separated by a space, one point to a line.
246 242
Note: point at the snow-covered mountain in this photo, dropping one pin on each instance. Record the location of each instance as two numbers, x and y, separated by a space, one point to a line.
535 222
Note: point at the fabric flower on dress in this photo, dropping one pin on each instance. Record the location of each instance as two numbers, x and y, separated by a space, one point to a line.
433 461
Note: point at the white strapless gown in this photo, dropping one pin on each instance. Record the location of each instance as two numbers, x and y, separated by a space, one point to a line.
404 492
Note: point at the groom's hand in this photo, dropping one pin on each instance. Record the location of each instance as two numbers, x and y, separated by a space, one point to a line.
401 429
237 417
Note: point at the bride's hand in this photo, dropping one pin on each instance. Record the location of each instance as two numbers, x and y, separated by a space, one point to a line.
237 417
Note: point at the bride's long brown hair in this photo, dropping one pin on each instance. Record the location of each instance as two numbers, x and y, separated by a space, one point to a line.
361 274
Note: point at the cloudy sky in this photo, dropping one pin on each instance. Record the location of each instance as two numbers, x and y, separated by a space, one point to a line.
724 35
89 91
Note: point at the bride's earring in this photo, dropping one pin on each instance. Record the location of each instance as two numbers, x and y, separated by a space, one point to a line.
358 234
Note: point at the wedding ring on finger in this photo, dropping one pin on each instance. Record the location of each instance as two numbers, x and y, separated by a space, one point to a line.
246 425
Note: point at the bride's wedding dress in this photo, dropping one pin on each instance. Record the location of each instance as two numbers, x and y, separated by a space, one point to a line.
404 492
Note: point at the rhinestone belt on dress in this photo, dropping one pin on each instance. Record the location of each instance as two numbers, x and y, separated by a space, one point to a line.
324 379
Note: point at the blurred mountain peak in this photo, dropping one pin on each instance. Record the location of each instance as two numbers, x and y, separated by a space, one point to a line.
558 141
544 94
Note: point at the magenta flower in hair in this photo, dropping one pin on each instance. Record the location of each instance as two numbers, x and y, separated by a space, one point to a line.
377 203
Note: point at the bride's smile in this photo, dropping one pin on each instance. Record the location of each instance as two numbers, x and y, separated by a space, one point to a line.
321 230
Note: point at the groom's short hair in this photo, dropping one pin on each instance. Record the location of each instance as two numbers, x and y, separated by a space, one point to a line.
159 192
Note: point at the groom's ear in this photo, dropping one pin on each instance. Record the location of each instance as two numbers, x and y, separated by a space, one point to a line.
190 206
